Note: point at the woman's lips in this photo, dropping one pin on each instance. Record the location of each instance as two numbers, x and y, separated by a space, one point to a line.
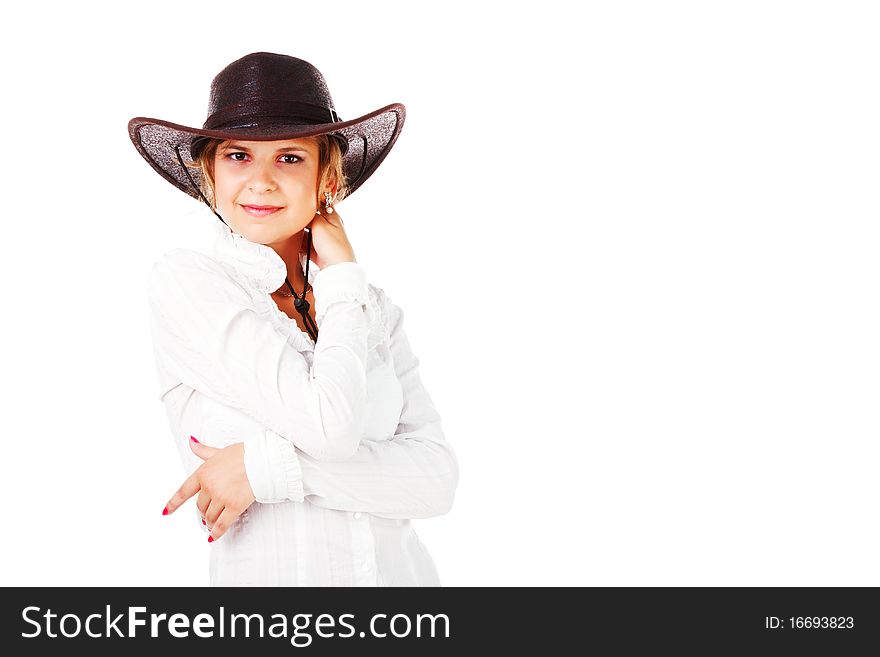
257 211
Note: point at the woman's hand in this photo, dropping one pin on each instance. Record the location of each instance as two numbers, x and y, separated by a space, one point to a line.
222 484
329 242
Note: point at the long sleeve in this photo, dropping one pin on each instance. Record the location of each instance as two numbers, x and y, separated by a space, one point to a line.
208 334
193 414
413 474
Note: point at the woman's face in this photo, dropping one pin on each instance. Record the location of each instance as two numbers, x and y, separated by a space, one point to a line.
283 174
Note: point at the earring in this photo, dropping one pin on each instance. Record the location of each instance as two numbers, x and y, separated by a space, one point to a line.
327 197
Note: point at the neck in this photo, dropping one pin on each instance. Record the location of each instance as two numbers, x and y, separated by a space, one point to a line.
289 250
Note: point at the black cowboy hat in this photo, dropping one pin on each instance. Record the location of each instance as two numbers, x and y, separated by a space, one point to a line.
268 97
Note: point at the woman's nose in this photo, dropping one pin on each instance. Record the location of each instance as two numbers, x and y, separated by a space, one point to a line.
262 177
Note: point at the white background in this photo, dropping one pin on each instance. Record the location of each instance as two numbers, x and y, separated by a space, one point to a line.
636 244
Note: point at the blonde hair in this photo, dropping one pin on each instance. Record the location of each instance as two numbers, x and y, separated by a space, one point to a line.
329 167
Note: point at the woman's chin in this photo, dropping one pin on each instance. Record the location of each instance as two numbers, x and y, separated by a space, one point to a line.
269 235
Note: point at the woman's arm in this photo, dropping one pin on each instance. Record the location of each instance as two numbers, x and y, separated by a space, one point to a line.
207 334
414 474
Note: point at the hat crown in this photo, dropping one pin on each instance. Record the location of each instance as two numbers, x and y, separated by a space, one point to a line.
263 85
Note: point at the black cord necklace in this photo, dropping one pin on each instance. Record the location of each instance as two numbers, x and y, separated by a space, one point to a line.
301 304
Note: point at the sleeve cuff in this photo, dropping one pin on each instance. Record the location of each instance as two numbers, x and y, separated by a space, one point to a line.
273 469
344 281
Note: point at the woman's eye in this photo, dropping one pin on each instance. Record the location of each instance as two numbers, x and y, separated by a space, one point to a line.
235 159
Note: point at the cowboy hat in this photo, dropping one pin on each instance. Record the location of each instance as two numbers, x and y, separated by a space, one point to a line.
266 96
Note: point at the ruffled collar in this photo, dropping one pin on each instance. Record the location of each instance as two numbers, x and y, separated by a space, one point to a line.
265 270
259 263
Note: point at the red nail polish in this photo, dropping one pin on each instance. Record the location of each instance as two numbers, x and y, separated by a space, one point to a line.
194 439
204 523
210 538
165 511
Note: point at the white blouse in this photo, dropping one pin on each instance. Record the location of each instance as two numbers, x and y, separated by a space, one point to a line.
343 445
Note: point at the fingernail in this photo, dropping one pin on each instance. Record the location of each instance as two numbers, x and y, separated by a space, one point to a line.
165 511
210 538
194 438
204 523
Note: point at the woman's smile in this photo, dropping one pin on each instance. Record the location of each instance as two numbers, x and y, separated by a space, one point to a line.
260 210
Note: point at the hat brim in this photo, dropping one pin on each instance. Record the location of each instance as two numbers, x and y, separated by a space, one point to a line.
370 137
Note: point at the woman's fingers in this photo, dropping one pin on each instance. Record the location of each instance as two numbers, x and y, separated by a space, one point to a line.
213 512
204 452
224 522
221 477
203 501
189 488
333 219
192 485
330 241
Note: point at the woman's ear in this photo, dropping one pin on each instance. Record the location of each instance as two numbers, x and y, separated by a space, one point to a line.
332 185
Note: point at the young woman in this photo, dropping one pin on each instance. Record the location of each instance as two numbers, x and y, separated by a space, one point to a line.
308 456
